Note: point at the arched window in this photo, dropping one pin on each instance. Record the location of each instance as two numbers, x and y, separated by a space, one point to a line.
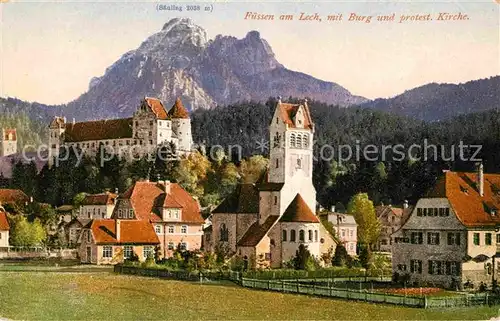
310 235
305 140
301 235
316 236
292 140
292 236
283 236
224 233
299 141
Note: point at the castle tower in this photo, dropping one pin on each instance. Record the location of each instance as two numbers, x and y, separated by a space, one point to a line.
291 153
9 142
56 135
181 127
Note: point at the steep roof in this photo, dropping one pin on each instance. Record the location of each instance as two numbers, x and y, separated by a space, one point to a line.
178 110
257 231
471 208
99 199
9 131
298 211
131 232
57 122
383 211
288 111
156 106
4 224
244 200
146 197
9 196
98 130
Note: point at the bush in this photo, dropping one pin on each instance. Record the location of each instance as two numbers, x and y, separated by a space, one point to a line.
149 262
365 256
340 258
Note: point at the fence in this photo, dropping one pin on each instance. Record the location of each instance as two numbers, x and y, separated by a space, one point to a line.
298 286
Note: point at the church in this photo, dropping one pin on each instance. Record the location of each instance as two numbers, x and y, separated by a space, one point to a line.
264 223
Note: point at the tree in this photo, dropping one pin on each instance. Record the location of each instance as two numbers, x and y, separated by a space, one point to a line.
24 233
191 173
365 256
253 168
364 213
303 259
340 258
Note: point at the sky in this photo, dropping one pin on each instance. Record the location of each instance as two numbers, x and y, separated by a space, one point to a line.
49 51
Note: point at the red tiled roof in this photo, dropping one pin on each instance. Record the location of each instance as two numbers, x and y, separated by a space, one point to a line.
131 232
99 199
178 110
12 196
244 199
145 198
471 208
4 224
288 111
9 131
56 122
257 231
156 107
298 211
98 130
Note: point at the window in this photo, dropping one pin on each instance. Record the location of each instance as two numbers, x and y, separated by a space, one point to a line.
107 251
176 214
224 233
184 229
89 237
310 235
452 268
316 236
158 229
476 239
433 238
343 233
127 251
150 134
183 246
299 163
276 200
498 238
402 267
351 233
292 236
453 238
171 229
277 163
416 266
441 212
416 238
171 246
301 236
292 140
487 238
119 213
305 141
435 267
283 235
298 144
147 251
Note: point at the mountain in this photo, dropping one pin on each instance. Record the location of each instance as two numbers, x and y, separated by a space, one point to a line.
433 102
179 60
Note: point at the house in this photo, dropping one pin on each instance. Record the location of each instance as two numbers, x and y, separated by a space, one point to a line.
172 211
391 219
265 223
346 229
452 234
4 230
150 127
13 197
72 230
65 213
96 206
8 142
106 241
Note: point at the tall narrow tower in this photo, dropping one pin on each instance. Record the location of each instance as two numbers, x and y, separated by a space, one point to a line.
56 136
291 152
9 142
181 127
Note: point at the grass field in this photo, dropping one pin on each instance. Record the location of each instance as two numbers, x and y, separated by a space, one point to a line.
103 296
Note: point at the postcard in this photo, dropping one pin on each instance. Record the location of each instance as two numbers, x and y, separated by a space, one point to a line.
250 160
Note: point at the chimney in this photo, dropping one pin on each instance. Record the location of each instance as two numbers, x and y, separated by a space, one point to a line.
480 179
117 227
64 119
167 186
405 204
332 209
279 99
74 121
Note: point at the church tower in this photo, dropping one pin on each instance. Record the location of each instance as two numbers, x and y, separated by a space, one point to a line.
9 142
291 153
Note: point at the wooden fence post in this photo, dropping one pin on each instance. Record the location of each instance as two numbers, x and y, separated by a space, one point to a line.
425 302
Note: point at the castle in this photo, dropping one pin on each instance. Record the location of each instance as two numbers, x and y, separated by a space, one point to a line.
8 144
150 127
265 223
